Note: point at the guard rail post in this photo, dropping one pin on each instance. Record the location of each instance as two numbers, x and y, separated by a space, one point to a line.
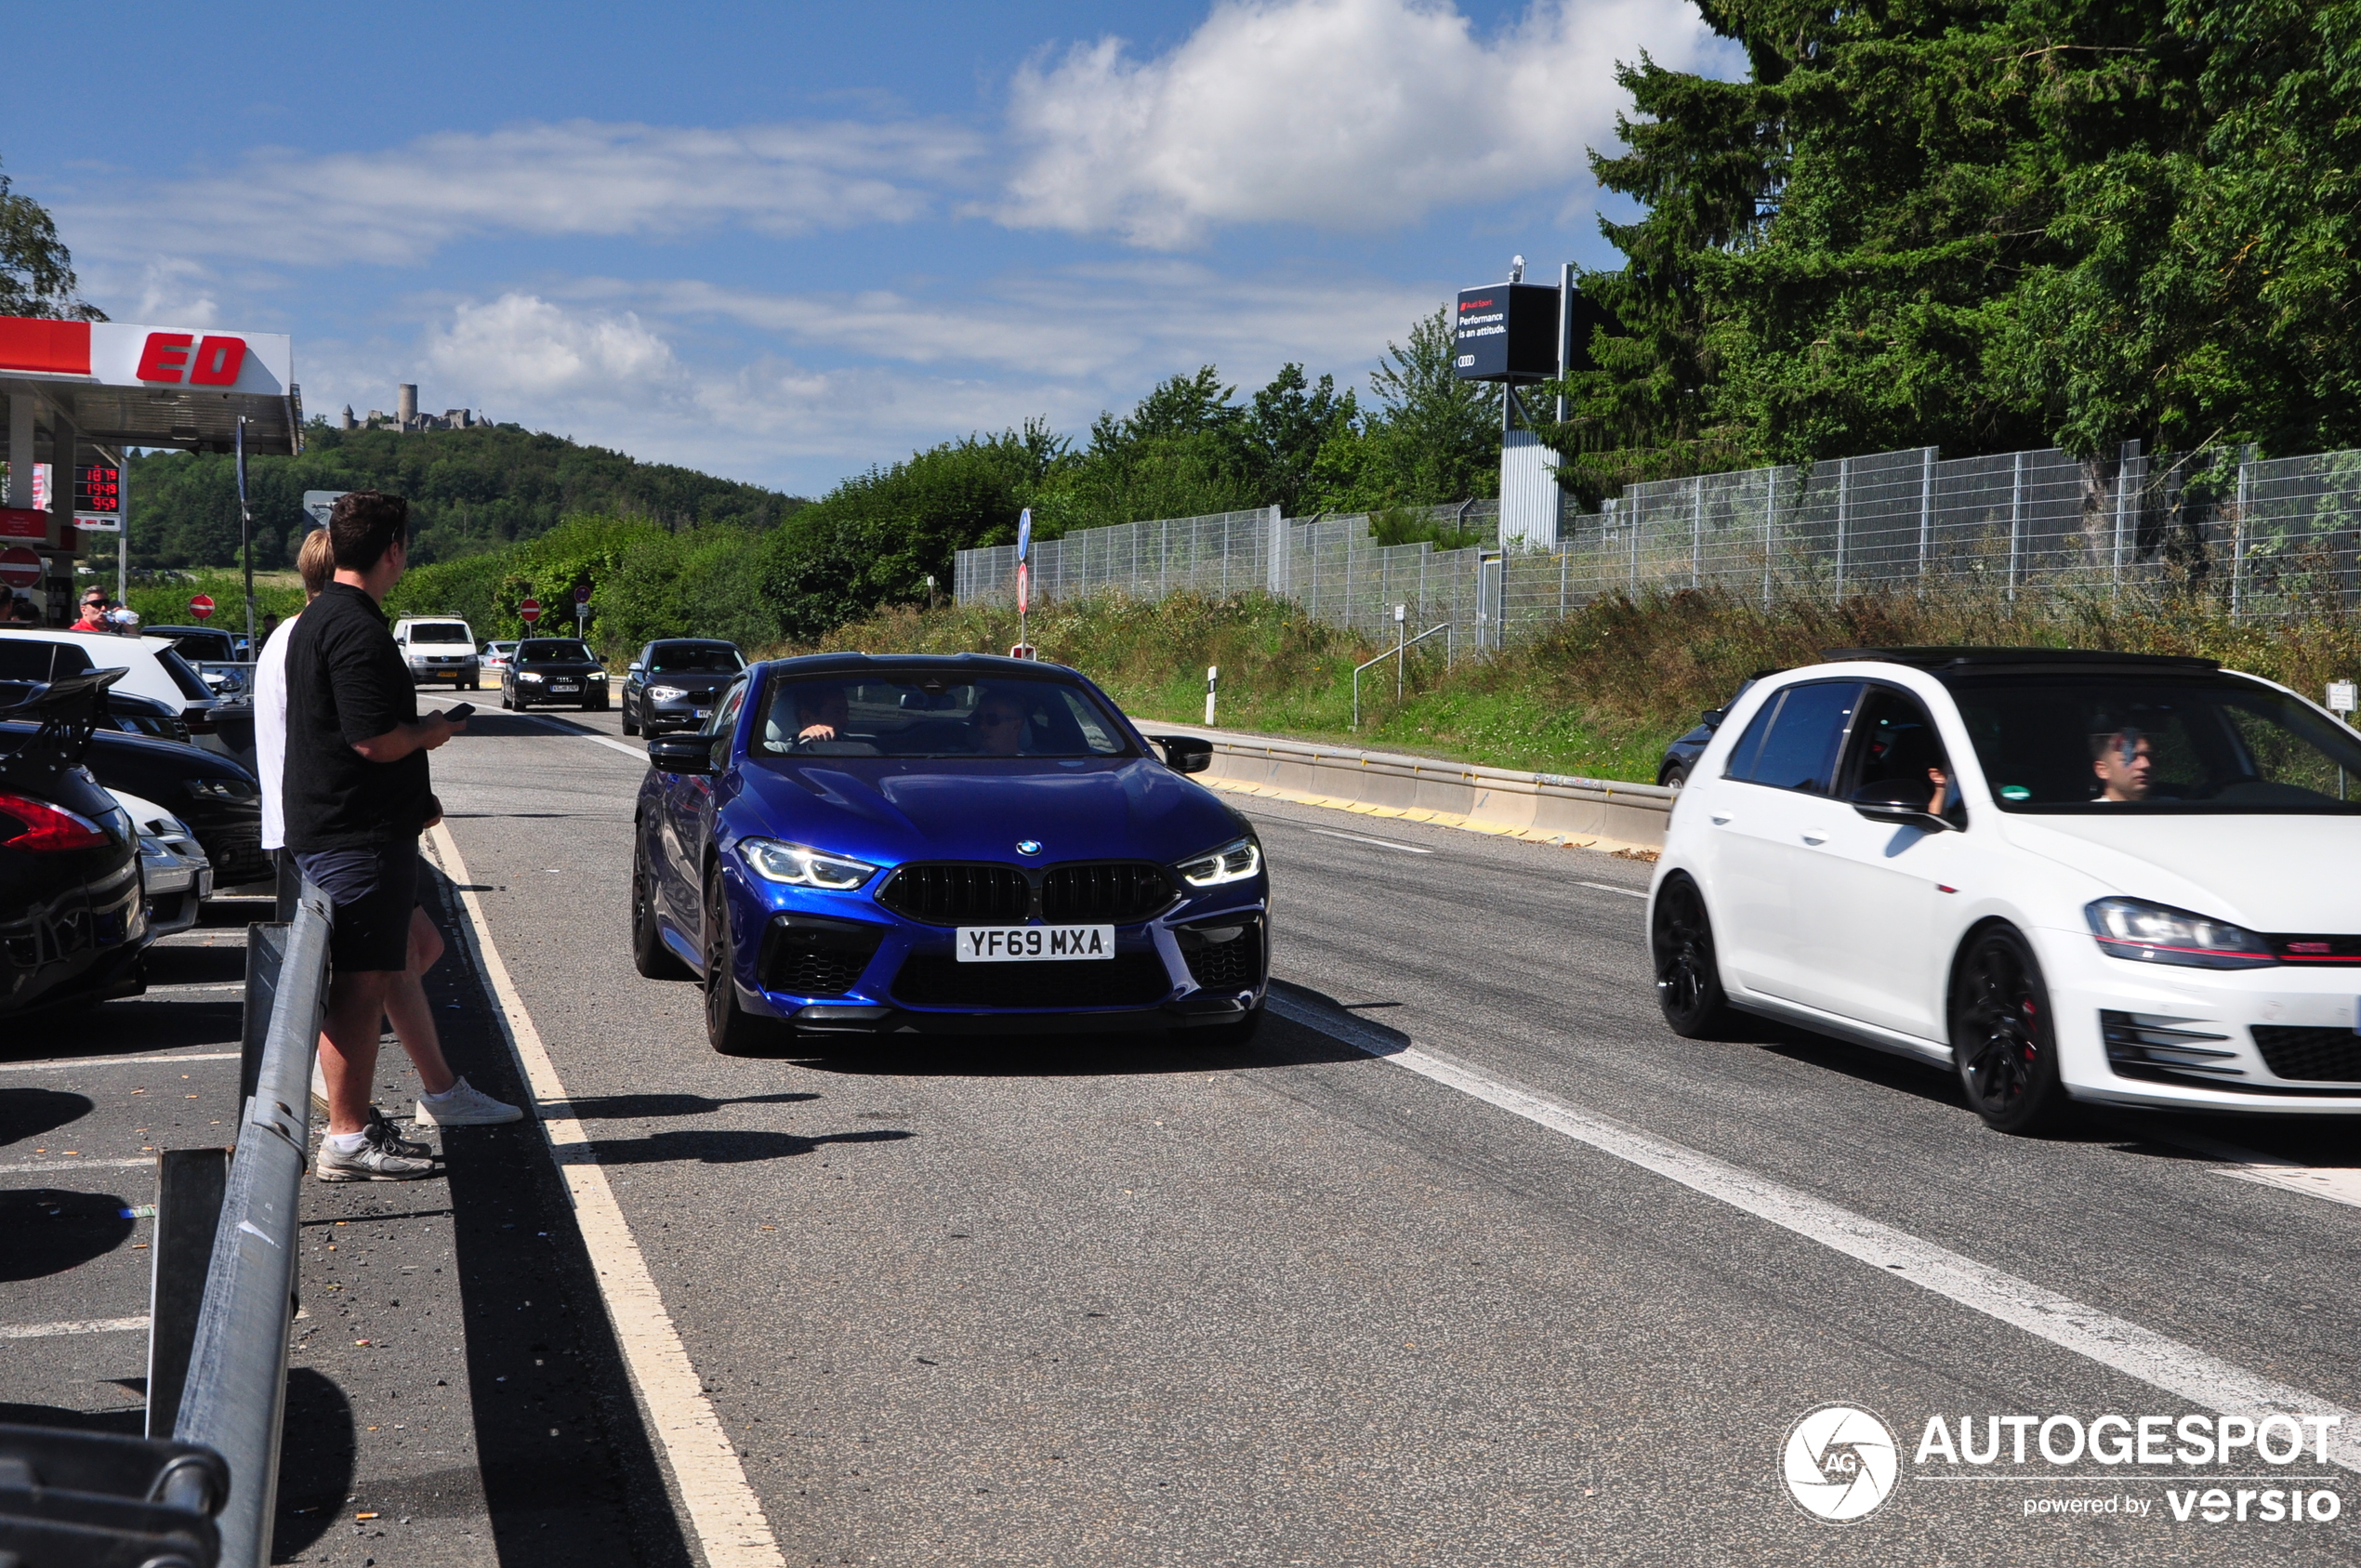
234 1399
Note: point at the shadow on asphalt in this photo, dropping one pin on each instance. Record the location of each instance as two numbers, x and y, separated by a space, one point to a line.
315 1462
49 1231
719 1146
637 1107
1067 1056
30 1113
130 1422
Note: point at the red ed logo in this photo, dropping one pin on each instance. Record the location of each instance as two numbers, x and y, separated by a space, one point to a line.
1839 1463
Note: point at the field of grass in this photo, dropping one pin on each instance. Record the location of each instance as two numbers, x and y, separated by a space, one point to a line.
1599 694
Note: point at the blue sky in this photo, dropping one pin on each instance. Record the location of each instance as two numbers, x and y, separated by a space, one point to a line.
784 242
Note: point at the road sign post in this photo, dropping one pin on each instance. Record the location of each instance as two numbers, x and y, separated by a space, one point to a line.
318 504
530 610
581 607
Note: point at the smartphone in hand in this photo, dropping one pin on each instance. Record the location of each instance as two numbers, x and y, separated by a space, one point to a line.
460 713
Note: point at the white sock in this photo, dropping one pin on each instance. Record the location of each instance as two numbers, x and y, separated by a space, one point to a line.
347 1142
456 1085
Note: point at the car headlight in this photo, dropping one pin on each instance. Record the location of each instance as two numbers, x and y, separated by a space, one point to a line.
796 865
667 693
219 789
533 676
2157 933
1233 861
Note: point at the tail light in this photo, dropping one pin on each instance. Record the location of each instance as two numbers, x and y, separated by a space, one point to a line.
40 828
198 720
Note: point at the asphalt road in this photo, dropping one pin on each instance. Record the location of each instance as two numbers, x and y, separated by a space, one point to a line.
1131 1302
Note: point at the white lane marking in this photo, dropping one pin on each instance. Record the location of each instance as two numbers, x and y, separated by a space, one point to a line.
2337 1184
1364 838
195 986
723 1510
87 1325
580 734
61 1063
2109 1340
32 1165
1611 887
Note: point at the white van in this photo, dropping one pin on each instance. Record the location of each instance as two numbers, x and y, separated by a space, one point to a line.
440 648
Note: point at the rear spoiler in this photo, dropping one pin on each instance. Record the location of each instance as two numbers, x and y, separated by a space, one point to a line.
67 710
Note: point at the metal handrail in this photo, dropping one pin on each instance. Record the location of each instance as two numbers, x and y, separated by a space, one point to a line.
1397 652
234 1399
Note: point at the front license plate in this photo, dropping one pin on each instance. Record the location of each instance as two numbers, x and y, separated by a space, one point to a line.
704 713
1027 945
561 686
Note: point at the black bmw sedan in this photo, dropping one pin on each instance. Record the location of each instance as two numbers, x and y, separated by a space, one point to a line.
672 684
551 671
72 913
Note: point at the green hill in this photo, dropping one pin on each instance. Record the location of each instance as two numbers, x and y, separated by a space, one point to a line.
469 490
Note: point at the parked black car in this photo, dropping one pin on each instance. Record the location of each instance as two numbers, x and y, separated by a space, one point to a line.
1682 754
673 684
72 909
218 799
552 670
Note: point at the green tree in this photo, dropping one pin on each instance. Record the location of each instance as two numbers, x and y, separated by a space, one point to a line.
1432 438
36 272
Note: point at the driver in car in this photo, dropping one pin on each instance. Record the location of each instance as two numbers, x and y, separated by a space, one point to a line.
999 724
2124 762
822 711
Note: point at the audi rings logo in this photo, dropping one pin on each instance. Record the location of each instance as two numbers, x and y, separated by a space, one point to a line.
1839 1463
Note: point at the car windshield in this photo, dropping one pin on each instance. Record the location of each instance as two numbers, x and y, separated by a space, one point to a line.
920 713
689 658
441 631
554 650
2150 744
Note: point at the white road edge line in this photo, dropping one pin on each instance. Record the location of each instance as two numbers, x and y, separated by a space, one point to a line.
89 1325
1611 887
61 1063
723 1510
2111 1341
32 1165
1364 838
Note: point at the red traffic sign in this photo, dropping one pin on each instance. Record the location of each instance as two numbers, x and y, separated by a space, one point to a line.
582 593
1025 587
200 606
19 566
530 609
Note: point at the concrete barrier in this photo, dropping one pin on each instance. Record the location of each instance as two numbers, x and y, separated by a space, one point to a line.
1548 807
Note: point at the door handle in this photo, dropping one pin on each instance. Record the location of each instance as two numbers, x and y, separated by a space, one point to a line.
1816 836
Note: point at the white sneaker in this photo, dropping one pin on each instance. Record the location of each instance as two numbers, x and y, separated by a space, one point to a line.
371 1162
464 1105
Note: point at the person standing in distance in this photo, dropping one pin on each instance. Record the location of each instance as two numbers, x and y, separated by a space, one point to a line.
449 1098
357 794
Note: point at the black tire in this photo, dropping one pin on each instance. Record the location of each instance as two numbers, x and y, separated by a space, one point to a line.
1675 778
1688 973
630 725
2003 1042
649 954
729 1028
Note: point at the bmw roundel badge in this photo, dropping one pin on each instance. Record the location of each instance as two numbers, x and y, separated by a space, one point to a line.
1028 846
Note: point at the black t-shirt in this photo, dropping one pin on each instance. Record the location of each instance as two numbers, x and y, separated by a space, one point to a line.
346 682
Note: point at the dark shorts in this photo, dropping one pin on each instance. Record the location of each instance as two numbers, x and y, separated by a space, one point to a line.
373 891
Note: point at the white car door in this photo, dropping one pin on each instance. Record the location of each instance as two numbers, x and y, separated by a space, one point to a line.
1865 901
1762 815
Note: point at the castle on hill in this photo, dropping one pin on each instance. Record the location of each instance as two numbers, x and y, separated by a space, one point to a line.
407 418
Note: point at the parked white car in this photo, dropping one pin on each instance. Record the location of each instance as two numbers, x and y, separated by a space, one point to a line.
153 666
2065 876
172 866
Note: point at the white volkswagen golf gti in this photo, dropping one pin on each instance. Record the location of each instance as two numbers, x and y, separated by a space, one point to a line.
2066 876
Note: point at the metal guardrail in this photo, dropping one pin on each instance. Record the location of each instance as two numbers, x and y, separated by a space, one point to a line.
234 1395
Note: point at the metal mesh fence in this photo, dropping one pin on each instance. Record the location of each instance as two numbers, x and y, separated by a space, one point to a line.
2266 538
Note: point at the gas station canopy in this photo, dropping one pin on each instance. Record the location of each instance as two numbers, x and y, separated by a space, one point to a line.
121 384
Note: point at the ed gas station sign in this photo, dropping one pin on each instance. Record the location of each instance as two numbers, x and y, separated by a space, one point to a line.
122 354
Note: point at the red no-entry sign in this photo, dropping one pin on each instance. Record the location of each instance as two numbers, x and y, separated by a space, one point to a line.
530 609
200 606
19 567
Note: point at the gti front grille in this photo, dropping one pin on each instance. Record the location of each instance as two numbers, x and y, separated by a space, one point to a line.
937 980
958 895
811 956
238 857
1234 962
1117 892
2333 1054
2333 951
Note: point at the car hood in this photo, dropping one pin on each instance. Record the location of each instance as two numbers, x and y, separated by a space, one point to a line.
2265 873
890 811
704 685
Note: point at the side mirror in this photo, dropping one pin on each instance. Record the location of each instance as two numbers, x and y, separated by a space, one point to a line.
689 753
1901 815
1184 754
636 667
1713 717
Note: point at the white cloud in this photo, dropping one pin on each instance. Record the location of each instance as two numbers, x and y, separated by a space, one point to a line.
1344 114
579 177
521 348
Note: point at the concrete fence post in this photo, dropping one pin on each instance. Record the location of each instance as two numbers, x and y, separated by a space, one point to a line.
2016 527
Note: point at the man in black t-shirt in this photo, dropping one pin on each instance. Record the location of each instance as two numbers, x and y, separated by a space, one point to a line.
356 795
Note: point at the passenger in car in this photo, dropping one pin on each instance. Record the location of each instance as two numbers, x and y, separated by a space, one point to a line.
2124 762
